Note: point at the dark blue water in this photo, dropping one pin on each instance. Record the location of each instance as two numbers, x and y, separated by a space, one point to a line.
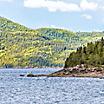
42 90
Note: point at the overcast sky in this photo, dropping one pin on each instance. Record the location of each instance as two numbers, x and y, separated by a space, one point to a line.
75 15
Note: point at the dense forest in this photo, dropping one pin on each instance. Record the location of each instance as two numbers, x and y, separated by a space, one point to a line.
44 47
92 54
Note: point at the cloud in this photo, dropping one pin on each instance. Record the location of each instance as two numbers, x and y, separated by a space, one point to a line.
52 5
87 16
85 5
59 5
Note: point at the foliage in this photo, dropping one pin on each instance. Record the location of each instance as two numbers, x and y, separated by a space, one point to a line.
92 54
7 25
44 47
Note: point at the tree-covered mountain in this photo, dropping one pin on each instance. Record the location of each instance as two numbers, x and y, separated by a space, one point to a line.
8 25
44 47
92 54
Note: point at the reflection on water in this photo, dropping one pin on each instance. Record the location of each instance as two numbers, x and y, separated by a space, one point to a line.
42 90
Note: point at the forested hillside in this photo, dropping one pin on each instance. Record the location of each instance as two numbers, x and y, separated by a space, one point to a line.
44 47
92 54
8 25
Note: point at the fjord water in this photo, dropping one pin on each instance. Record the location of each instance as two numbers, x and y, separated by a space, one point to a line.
48 90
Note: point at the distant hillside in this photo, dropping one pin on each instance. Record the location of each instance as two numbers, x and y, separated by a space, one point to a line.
92 54
8 25
44 47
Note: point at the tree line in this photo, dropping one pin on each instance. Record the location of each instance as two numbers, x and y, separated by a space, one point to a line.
92 54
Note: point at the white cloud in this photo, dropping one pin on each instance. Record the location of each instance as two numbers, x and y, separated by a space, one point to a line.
85 5
52 5
87 16
61 5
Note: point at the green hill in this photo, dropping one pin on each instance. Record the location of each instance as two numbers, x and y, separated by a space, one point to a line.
44 47
8 25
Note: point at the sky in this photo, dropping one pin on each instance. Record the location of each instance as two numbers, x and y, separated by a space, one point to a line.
74 15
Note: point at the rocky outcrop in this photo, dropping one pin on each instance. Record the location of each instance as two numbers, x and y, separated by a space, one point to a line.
33 75
30 75
79 71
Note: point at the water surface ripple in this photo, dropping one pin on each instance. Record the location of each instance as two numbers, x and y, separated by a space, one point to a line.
42 90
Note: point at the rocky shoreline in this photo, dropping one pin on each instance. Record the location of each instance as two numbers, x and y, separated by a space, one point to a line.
80 71
77 71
